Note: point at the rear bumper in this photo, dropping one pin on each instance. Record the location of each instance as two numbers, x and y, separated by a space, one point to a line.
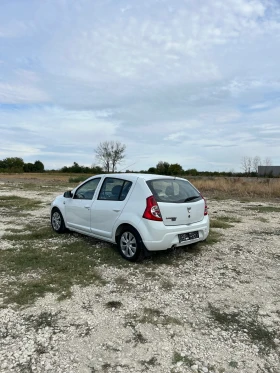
161 237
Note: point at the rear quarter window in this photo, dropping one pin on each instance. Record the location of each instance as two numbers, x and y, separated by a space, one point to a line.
173 191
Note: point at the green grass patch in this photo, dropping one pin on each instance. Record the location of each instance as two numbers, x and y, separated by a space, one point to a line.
56 271
28 233
263 209
224 222
213 238
43 261
240 321
19 204
216 223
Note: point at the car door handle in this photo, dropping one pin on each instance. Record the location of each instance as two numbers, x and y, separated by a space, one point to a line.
87 207
117 210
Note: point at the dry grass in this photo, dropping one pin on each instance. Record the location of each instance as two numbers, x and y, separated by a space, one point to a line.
238 187
219 187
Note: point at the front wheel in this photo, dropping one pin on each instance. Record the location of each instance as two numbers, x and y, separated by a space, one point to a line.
130 244
57 221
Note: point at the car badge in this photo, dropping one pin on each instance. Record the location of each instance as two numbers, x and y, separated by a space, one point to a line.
189 209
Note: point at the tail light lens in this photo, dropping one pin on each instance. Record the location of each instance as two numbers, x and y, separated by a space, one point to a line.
205 206
152 211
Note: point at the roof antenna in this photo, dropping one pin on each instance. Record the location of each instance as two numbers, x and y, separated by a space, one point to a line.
127 166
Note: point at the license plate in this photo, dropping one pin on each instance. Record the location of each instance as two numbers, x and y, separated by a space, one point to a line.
188 236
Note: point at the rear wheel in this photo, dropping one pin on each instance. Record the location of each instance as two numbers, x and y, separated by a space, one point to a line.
57 221
130 244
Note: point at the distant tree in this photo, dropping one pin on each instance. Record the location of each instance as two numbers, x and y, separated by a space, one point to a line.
110 154
256 163
192 172
28 167
39 166
12 164
152 170
250 165
162 168
246 164
267 161
175 169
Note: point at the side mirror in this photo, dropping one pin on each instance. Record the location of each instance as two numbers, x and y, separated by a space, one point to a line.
67 194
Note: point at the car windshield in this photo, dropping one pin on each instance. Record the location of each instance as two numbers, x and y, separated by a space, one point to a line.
173 191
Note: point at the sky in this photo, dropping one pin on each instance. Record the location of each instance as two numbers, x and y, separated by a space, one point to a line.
194 82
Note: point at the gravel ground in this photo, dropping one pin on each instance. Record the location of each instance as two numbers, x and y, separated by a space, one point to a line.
217 311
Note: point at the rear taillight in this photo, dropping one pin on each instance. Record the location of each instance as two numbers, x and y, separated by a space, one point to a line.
205 206
152 211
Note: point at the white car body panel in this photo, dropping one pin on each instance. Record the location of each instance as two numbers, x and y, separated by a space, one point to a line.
102 218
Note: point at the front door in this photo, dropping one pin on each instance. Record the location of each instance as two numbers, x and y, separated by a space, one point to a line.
78 208
108 206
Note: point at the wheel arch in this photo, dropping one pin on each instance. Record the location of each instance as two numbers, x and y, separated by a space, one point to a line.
123 226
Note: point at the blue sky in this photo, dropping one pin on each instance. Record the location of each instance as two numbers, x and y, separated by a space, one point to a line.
194 82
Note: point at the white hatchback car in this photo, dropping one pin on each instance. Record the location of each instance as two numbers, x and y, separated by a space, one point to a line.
137 212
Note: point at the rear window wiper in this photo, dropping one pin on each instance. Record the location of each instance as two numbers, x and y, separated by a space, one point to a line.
191 198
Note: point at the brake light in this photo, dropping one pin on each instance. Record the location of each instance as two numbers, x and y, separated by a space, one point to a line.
152 211
205 206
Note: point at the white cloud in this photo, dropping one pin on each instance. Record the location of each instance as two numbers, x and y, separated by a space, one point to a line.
197 77
18 93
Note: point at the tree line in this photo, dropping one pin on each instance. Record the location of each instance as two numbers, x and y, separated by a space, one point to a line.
109 154
16 164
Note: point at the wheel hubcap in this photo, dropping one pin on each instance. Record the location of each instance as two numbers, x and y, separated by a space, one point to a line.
56 221
128 244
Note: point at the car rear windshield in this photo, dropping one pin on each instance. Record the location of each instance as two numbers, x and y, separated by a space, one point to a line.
173 191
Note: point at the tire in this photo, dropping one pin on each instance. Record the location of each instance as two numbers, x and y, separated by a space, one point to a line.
57 221
130 244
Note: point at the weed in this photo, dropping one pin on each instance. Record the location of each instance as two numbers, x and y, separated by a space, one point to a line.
43 320
266 233
167 285
233 364
139 338
114 304
78 179
263 220
215 223
105 367
230 219
152 362
155 317
177 357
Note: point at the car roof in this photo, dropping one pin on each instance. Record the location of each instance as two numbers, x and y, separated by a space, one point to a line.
134 176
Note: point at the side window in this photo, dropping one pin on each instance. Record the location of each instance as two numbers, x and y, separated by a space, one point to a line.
87 190
114 189
125 190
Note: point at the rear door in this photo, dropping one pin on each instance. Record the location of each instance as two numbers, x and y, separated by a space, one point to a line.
179 202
